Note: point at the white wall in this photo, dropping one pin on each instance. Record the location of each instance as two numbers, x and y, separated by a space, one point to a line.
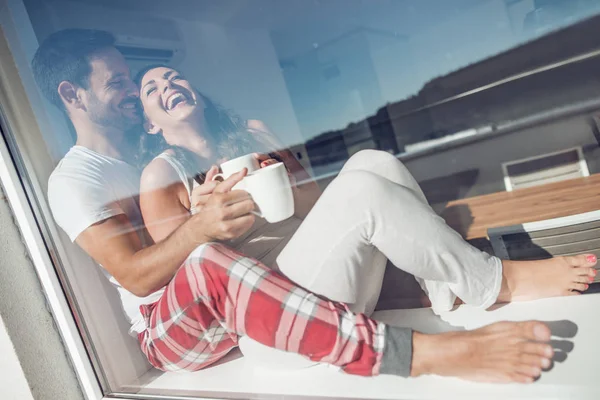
13 384
240 70
29 326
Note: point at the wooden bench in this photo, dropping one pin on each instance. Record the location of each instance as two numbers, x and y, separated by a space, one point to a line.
473 216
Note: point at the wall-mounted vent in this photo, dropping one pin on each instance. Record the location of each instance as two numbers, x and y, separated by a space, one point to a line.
144 50
146 54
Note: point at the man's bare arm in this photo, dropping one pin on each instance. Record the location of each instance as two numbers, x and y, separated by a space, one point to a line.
114 244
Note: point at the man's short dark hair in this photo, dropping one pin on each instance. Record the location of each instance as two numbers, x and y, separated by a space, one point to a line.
65 56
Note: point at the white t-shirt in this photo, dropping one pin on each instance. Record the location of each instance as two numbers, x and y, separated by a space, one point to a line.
87 187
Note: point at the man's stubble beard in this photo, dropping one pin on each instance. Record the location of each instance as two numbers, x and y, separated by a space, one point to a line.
103 115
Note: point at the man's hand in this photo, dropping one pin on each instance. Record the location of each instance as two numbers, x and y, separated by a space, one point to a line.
264 160
226 214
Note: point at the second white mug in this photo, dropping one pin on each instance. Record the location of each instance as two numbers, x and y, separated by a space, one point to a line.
271 190
230 167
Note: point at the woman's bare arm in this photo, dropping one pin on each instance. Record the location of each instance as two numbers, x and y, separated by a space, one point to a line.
164 200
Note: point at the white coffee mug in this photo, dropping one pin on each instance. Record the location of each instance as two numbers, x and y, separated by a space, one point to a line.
230 167
271 190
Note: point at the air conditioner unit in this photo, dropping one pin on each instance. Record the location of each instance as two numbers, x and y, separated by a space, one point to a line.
150 50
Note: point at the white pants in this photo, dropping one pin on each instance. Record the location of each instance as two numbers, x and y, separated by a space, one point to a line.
374 211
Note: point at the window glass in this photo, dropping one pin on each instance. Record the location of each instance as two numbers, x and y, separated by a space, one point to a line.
476 98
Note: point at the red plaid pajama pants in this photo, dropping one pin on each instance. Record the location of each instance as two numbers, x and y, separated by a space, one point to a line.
219 295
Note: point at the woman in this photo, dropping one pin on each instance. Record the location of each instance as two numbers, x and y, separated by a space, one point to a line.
349 247
372 212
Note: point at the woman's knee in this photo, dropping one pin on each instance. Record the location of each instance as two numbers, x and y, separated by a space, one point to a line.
355 184
368 159
368 191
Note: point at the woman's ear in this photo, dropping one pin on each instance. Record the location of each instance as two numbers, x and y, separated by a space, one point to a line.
150 127
68 94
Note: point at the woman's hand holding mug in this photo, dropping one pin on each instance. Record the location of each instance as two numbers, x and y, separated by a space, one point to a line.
201 193
226 214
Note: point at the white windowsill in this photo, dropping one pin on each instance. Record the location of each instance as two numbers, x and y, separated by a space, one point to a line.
573 378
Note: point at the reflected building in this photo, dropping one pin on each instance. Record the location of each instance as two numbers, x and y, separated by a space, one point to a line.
511 88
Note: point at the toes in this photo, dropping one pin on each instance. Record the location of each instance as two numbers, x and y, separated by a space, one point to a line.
584 278
582 260
511 373
508 374
521 378
542 351
530 365
534 330
528 370
581 287
585 272
591 259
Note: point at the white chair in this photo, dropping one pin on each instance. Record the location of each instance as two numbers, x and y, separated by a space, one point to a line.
570 235
546 168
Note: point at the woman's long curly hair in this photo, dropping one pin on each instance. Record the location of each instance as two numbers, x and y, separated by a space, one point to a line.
227 129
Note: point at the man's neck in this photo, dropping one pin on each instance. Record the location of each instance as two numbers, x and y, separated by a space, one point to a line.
103 140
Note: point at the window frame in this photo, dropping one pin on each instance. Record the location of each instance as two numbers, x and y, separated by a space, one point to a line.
19 188
22 191
41 261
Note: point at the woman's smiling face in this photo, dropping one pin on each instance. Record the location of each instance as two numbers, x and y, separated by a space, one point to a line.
168 98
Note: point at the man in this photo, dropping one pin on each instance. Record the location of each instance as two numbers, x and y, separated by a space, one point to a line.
197 297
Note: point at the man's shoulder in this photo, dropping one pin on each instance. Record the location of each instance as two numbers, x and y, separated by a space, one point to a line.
73 158
79 193
77 156
82 163
77 167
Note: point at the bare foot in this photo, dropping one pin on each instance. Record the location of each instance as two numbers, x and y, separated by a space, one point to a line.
501 352
559 276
